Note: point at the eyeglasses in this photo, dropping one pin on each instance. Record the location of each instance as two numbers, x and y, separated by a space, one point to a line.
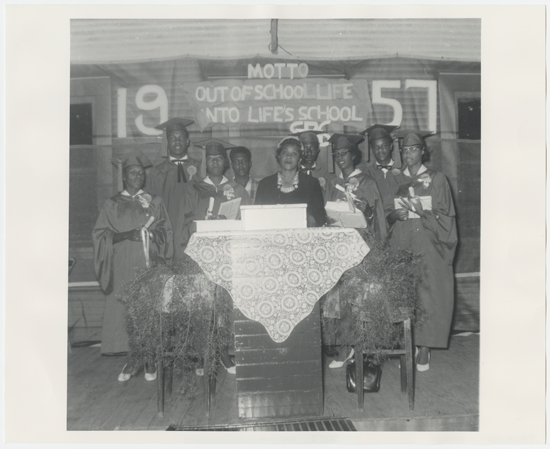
340 153
411 148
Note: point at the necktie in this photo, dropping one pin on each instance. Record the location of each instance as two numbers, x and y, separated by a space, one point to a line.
387 167
305 170
181 173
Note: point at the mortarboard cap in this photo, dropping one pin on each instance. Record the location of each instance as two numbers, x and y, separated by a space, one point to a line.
308 136
340 141
214 146
376 132
134 158
127 160
175 124
412 137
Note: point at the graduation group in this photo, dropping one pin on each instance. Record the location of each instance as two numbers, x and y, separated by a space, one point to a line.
402 201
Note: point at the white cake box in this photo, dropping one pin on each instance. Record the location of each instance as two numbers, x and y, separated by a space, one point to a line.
219 225
280 216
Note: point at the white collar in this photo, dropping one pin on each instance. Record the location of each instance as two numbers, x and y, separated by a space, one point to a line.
184 158
422 169
390 164
313 167
354 173
207 180
125 193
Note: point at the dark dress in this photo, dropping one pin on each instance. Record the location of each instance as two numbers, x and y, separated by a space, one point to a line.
308 192
118 264
435 239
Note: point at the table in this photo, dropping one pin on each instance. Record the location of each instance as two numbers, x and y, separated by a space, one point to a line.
276 278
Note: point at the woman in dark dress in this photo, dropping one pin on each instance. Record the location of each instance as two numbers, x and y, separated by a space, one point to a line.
289 186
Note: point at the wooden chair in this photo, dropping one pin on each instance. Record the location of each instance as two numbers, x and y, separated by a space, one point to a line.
164 385
407 365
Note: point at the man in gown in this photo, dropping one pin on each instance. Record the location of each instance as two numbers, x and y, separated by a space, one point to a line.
385 167
172 180
309 164
118 250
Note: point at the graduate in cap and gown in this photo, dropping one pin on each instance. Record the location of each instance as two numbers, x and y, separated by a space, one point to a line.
215 185
132 231
171 180
386 164
430 232
367 199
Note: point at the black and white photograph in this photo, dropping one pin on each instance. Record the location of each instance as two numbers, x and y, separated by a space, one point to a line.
275 224
363 143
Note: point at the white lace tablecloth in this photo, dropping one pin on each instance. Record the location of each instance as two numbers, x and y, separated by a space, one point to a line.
275 277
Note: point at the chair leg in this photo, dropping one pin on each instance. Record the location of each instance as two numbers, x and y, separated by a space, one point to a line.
169 377
160 388
403 370
359 376
409 362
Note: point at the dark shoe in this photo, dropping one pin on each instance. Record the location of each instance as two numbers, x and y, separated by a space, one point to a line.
330 351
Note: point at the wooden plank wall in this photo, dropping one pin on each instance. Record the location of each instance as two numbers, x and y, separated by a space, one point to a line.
467 304
86 306
279 379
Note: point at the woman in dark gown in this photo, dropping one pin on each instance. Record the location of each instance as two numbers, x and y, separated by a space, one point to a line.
289 186
119 251
430 232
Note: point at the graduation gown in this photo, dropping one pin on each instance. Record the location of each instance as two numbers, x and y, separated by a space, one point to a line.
117 264
227 190
385 183
435 239
367 190
179 198
308 192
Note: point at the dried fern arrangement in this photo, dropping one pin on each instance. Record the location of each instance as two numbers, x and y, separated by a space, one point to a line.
178 311
374 296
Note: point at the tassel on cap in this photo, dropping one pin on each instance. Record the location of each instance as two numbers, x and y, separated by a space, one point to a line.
120 186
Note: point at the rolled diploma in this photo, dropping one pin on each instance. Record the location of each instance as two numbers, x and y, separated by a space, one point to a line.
411 192
211 205
150 221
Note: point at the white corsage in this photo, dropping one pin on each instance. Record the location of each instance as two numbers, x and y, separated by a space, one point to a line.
192 170
228 192
352 185
395 171
425 179
145 200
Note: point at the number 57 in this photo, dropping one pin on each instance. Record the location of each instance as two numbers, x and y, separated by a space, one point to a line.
429 85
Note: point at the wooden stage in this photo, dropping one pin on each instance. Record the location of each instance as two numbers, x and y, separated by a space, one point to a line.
446 396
